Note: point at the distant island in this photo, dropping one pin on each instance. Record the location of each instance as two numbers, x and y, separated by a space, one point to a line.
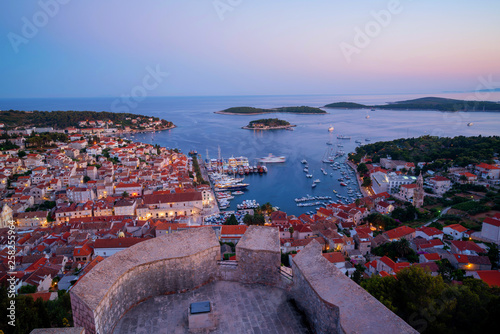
425 103
268 124
14 119
256 111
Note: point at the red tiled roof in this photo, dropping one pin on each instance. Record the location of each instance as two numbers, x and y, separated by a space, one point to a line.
399 232
490 277
486 166
432 257
457 227
233 229
173 198
492 221
118 243
334 257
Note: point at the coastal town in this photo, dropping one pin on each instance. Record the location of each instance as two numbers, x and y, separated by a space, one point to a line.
80 195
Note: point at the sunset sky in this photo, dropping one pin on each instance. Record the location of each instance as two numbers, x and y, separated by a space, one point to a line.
97 48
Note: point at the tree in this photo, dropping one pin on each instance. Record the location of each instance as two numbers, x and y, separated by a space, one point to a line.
362 169
21 154
125 194
248 219
493 256
367 181
291 230
86 179
231 220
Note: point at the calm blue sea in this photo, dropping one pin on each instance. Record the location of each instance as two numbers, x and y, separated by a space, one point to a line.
198 128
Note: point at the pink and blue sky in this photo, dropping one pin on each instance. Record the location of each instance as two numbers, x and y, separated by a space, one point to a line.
260 47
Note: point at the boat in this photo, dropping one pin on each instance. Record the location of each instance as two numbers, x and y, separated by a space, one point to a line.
272 159
309 175
317 181
372 109
313 185
329 143
335 191
367 139
331 128
357 141
367 116
470 124
343 184
304 162
343 137
237 192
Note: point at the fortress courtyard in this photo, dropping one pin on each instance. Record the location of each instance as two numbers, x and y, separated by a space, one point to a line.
239 308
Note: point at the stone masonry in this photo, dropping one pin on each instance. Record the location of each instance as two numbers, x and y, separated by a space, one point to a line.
169 264
334 303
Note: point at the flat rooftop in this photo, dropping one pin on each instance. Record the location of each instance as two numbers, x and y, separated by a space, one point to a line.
240 308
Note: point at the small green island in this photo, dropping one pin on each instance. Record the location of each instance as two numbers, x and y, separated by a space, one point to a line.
257 111
425 103
268 124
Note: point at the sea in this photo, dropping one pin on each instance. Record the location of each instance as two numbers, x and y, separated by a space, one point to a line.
199 128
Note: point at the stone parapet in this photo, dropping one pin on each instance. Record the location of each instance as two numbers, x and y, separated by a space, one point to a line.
334 303
172 263
258 255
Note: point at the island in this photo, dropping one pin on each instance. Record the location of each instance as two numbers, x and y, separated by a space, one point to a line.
86 120
268 124
257 111
425 103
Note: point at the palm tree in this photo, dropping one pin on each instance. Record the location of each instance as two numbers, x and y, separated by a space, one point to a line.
290 229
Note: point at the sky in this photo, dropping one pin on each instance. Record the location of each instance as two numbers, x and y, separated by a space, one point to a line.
96 48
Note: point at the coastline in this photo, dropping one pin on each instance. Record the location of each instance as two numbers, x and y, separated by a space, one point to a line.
283 127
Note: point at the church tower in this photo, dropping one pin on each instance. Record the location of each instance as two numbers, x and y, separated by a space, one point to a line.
418 195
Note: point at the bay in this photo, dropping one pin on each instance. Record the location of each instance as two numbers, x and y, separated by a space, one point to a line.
198 128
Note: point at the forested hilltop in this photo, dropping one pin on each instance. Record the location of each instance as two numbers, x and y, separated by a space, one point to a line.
253 111
425 103
63 119
461 150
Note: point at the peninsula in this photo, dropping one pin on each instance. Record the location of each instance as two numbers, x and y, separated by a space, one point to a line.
425 103
257 111
59 120
268 124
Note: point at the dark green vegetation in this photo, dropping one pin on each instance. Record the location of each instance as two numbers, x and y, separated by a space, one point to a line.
231 220
47 139
425 103
31 314
430 305
197 170
442 151
293 110
267 122
397 249
63 119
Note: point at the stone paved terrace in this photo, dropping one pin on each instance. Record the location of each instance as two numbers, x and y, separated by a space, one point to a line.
240 308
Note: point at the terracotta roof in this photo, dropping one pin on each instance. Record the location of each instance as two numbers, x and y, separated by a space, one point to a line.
492 221
399 232
467 245
334 257
457 227
172 198
432 257
117 243
490 277
233 229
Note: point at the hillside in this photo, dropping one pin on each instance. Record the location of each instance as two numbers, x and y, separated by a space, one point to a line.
63 119
425 103
461 150
255 111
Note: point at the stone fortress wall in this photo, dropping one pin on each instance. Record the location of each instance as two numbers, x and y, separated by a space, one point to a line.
186 260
